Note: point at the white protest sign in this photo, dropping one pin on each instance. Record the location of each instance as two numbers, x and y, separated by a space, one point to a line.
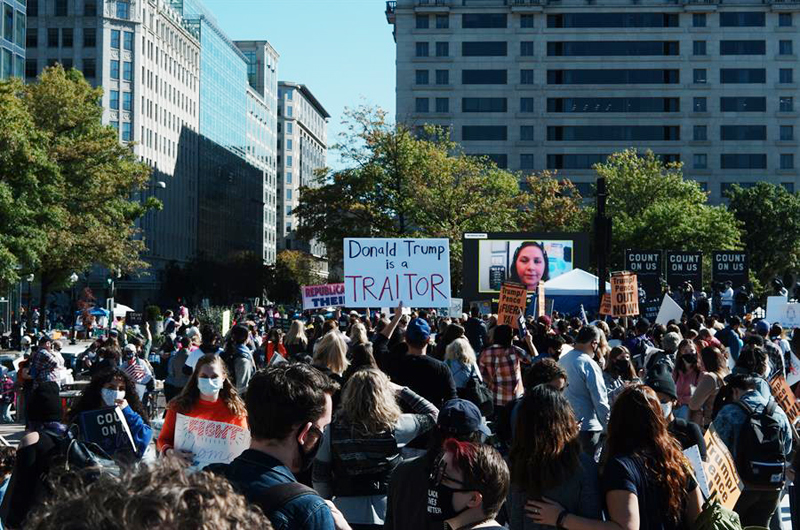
693 455
320 296
780 311
211 442
670 310
381 272
793 370
456 307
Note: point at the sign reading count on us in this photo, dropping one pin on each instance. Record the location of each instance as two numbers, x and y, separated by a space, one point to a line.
383 272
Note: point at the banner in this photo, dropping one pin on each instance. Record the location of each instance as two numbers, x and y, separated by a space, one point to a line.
134 318
670 310
624 294
605 305
780 311
210 441
456 309
684 266
107 428
321 296
512 302
724 483
730 265
785 398
381 272
646 264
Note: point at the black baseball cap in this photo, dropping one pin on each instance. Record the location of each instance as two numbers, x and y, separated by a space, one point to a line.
460 417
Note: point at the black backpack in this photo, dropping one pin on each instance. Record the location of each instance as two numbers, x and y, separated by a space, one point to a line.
759 452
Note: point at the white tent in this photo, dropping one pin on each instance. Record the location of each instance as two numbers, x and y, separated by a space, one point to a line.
576 282
121 309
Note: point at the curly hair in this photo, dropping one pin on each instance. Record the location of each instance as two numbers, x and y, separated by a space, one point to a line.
637 428
369 403
190 395
91 398
160 497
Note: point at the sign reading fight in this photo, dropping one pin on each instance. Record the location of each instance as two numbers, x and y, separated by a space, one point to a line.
784 396
107 428
730 265
724 483
383 272
624 294
512 302
210 441
317 296
684 266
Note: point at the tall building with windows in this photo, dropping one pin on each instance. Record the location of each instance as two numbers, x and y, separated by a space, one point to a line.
12 39
561 84
302 149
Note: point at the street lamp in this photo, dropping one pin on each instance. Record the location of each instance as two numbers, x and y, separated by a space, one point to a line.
30 278
73 278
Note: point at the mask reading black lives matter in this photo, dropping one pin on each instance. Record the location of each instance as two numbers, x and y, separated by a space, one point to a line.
440 503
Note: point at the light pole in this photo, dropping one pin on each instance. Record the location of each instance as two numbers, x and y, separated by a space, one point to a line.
73 278
30 300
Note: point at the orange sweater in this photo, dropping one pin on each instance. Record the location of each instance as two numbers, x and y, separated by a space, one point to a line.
207 410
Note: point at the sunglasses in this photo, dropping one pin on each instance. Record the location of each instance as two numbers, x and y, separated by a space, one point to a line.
439 474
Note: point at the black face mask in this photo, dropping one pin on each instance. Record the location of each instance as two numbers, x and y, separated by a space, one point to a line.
307 458
440 503
690 358
621 365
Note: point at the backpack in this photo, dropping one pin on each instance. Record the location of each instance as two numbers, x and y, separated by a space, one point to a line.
478 393
759 452
715 517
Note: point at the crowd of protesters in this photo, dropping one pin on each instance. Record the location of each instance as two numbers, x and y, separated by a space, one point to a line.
413 420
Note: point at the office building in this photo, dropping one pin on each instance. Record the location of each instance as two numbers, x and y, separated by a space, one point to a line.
12 39
561 84
302 149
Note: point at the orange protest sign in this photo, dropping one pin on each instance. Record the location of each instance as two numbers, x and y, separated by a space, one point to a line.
784 396
724 483
540 302
624 294
512 301
605 306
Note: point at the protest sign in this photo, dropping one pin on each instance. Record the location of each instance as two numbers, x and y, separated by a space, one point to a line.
380 272
793 370
540 306
484 306
320 296
624 294
684 266
512 302
605 305
670 310
724 483
693 455
107 428
210 441
226 322
134 318
456 309
780 311
646 264
730 265
784 396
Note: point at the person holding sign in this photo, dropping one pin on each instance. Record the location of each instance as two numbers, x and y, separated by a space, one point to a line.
530 265
209 395
109 389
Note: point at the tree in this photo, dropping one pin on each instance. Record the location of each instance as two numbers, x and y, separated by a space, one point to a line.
770 220
654 207
552 205
292 270
98 181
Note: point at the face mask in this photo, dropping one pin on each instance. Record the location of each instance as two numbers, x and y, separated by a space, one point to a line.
307 458
621 365
111 396
209 386
666 409
690 358
440 503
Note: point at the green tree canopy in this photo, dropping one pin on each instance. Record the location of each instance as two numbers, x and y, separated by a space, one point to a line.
552 205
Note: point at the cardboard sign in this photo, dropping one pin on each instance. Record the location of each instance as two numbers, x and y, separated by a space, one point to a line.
321 296
107 428
512 302
684 266
210 441
540 306
624 294
134 318
605 305
730 265
670 310
785 398
381 272
724 483
780 311
456 309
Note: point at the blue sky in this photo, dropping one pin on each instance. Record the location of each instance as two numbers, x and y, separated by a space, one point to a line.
342 49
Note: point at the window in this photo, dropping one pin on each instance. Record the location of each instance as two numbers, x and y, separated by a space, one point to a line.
31 68
613 77
742 75
589 133
788 186
114 69
699 75
115 124
483 133
442 49
483 20
442 21
700 161
483 77
785 75
61 8
616 48
115 39
743 104
743 161
526 133
422 77
613 20
19 38
526 48
422 49
289 128
700 133
742 19
787 161
90 8
128 40
484 49
33 8
699 20
613 105
785 47
700 105
423 21
578 161
289 194
127 71
442 77
113 99
421 105
743 132
442 105
66 63
786 104
89 37
526 105
66 37
484 105
526 77
784 20
289 161
127 131
787 133
32 38
526 21
288 144
288 177
52 37
127 101
89 68
123 10
742 47
699 47
526 161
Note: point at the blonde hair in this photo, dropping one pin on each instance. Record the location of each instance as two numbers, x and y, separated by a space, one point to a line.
297 334
331 351
369 403
358 334
460 350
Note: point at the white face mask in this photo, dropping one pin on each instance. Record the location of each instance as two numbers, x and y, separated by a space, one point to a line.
110 396
209 386
666 409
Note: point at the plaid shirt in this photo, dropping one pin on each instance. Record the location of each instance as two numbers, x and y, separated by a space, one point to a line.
45 367
500 367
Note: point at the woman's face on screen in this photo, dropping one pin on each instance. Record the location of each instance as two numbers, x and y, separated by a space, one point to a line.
530 266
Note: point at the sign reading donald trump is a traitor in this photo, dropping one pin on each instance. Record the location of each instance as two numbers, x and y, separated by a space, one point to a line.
383 272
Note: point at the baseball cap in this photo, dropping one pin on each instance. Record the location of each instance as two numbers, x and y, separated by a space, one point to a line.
660 380
459 417
129 348
762 327
418 331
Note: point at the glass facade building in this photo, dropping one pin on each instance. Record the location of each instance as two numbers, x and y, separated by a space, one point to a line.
12 39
